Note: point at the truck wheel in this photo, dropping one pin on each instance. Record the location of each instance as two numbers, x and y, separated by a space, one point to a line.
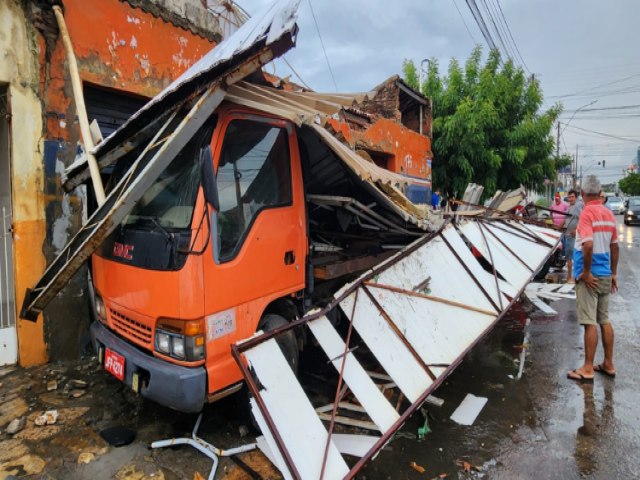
288 345
286 341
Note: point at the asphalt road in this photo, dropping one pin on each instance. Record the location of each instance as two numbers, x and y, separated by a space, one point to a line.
542 426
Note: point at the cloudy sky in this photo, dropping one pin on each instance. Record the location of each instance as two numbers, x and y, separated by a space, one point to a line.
584 52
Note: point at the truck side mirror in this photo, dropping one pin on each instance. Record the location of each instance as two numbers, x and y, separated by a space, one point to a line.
209 185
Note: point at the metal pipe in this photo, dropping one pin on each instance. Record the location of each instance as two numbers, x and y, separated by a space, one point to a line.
81 109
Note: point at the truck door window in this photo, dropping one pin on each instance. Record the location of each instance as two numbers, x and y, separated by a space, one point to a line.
253 174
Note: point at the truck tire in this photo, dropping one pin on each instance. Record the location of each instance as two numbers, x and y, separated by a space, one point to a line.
288 344
286 341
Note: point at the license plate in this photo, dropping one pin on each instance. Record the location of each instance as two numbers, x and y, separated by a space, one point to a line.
114 363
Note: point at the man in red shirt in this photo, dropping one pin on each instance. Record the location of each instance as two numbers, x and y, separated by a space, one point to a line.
595 267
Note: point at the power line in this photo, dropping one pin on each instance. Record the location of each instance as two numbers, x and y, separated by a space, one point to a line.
581 92
465 23
495 29
322 43
296 73
511 36
626 139
475 11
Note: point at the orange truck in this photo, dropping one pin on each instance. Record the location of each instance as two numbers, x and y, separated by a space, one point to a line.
253 222
234 207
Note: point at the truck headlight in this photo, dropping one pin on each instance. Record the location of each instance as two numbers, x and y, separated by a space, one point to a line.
101 309
181 339
177 347
163 342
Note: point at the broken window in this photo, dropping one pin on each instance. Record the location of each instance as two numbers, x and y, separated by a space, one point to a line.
253 174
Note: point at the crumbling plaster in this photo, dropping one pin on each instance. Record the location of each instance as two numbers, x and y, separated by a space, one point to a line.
19 69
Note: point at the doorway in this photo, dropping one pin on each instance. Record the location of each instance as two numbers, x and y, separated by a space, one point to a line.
8 338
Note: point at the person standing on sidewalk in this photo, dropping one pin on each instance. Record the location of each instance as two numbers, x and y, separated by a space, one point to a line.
595 268
570 225
558 210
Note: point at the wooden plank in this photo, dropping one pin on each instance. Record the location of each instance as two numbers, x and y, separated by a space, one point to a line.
388 349
293 414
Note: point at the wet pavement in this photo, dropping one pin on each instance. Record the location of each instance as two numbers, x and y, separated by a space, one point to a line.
541 426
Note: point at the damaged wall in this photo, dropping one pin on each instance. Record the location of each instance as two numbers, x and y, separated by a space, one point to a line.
123 50
19 69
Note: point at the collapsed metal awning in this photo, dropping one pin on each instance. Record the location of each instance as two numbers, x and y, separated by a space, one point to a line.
415 316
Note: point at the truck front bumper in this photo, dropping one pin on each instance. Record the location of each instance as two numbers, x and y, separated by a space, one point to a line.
180 388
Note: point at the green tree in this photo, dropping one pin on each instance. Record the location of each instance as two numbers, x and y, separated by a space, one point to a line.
487 125
630 185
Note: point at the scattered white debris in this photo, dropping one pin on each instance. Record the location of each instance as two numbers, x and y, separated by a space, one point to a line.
16 425
48 418
469 409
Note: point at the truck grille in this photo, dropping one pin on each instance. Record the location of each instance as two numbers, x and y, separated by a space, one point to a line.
134 331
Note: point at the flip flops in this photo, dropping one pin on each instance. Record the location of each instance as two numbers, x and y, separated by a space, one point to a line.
577 376
600 368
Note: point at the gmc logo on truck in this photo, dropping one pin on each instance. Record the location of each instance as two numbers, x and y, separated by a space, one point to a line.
123 251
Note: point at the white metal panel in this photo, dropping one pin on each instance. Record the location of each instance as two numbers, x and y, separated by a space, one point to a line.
356 445
267 444
437 331
8 346
388 349
355 376
546 234
485 278
449 280
506 264
297 422
528 250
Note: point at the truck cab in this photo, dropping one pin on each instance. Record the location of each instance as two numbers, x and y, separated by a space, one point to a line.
178 282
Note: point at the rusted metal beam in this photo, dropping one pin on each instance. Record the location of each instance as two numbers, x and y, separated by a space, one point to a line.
255 391
335 270
400 335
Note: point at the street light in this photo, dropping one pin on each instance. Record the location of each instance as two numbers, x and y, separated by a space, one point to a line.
426 60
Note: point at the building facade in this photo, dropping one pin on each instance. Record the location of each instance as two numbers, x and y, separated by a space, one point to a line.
127 51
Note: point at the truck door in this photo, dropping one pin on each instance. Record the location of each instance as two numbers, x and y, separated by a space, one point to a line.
259 245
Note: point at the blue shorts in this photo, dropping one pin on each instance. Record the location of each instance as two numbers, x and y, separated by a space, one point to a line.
569 244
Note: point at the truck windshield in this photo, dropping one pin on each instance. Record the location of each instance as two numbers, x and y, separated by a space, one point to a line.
170 200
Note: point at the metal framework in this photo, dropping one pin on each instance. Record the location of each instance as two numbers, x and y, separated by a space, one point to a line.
418 314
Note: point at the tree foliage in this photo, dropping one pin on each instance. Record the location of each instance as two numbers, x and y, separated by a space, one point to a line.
487 125
630 185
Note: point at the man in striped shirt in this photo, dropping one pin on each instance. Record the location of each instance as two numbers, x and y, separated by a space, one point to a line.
595 269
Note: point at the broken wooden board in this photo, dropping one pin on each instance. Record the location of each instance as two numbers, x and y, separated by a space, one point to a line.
414 331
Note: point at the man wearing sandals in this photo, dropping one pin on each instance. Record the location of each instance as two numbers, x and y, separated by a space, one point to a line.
595 267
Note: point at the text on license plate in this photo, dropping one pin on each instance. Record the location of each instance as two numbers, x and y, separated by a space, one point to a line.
114 363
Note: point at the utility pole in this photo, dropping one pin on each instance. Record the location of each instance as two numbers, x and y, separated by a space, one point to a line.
555 182
576 174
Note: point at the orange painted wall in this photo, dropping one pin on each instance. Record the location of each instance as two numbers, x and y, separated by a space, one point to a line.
409 149
117 47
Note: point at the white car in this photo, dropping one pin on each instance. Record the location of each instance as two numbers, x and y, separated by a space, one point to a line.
615 204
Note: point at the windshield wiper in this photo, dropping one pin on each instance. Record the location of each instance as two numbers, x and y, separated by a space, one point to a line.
155 223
